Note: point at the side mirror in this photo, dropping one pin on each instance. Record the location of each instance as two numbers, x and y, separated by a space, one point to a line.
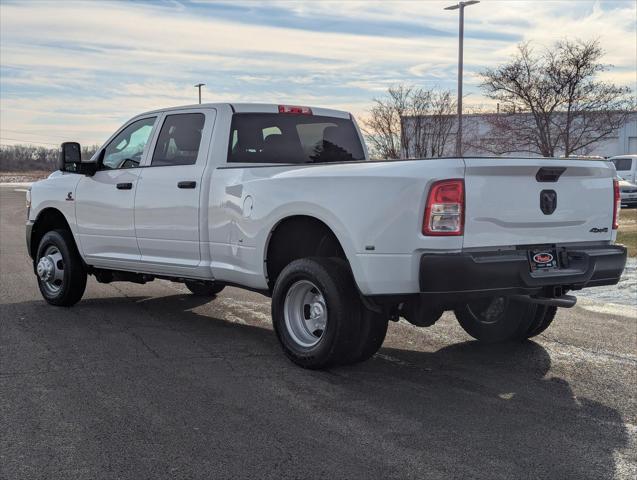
70 160
70 156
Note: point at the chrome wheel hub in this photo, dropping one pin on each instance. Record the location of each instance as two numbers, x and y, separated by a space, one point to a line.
305 313
50 270
45 269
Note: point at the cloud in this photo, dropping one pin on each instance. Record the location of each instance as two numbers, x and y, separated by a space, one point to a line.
83 68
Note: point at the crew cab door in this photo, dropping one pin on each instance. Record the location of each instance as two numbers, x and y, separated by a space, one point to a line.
104 203
167 202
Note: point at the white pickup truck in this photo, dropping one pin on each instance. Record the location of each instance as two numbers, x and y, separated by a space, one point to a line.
284 200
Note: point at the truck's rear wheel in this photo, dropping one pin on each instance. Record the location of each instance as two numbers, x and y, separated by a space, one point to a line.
59 268
372 332
316 312
204 289
373 329
544 316
496 319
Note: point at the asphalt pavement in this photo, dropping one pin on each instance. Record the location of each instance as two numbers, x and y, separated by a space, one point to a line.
148 381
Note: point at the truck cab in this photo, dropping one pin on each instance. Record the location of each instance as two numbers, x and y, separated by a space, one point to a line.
626 166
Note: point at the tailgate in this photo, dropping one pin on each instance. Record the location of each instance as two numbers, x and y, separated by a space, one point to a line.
509 203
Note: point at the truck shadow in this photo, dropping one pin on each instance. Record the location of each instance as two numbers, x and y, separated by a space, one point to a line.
465 410
499 407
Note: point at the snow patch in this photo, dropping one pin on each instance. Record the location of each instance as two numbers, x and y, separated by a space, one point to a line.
16 184
620 296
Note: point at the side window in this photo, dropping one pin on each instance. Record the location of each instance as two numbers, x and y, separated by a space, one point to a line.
622 164
126 149
179 140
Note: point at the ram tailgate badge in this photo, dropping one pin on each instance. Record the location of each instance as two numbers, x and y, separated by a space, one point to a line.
548 201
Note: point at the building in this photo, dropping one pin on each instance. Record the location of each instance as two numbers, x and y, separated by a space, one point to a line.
477 131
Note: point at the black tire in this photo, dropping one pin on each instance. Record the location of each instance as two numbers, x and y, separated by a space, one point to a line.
340 336
204 289
497 319
70 289
373 329
544 316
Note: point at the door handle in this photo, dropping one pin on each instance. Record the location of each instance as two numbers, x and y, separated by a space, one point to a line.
124 186
187 184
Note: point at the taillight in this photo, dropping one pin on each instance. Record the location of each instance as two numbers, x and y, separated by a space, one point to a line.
295 109
444 213
617 204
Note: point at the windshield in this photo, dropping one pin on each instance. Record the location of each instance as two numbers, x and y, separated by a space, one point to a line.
291 138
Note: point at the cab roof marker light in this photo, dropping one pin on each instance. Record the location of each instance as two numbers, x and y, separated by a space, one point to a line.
295 109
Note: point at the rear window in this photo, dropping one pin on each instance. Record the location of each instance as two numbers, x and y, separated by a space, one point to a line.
622 164
179 140
290 138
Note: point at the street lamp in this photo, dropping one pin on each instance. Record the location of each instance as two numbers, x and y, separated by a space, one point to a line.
460 6
199 85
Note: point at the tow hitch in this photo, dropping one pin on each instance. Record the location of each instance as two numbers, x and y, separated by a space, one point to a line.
563 301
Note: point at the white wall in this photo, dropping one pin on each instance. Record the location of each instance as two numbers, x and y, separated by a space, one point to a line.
624 142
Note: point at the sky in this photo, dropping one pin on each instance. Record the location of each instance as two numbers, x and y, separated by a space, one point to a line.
75 71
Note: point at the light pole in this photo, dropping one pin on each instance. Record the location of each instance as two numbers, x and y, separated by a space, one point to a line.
199 85
460 6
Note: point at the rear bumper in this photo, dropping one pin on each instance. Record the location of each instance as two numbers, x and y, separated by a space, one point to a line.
449 276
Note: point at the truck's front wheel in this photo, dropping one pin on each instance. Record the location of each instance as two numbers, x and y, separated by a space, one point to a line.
497 319
316 312
59 268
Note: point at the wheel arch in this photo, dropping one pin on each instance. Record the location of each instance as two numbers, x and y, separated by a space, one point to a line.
48 219
298 236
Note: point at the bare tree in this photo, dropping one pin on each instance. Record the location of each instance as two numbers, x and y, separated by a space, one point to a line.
411 122
29 157
383 126
593 110
565 107
505 132
439 123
